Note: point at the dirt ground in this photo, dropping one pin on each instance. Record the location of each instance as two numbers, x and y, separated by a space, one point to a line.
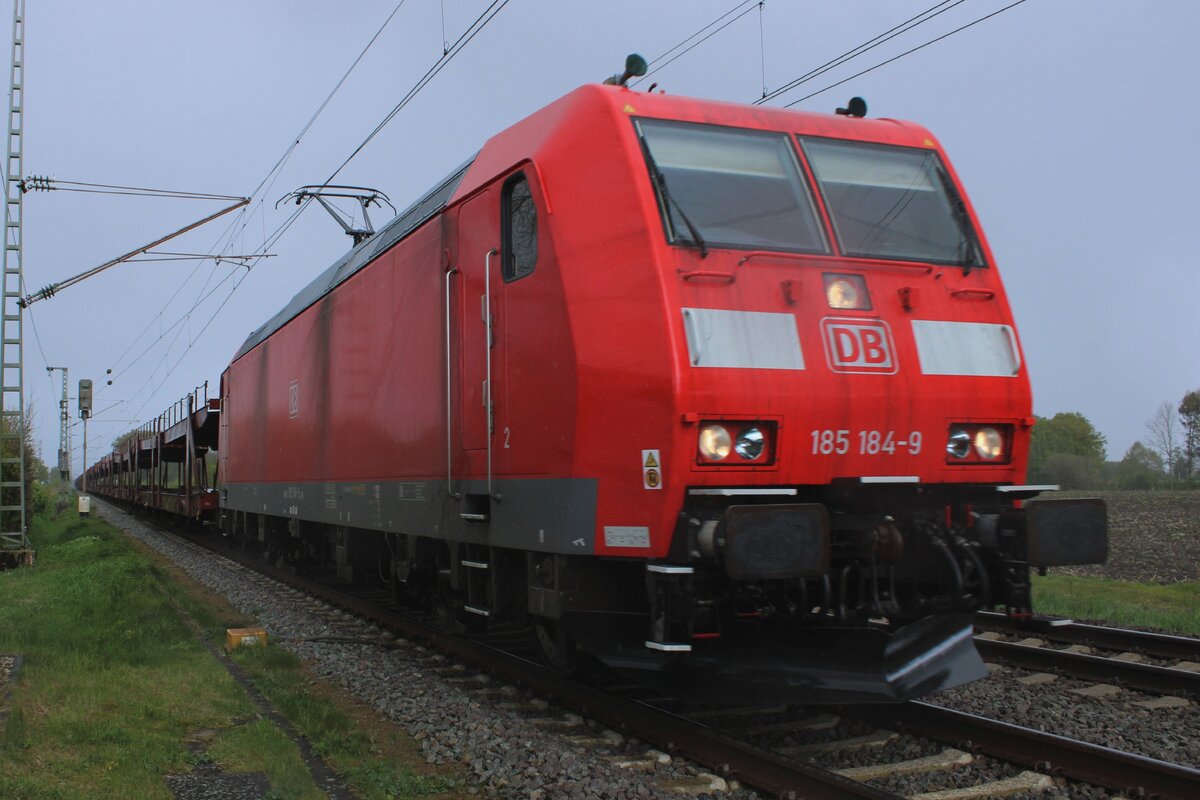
1154 536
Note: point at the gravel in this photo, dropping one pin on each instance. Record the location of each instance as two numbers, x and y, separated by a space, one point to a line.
502 753
1169 734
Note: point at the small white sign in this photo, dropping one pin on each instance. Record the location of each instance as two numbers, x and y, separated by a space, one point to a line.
626 536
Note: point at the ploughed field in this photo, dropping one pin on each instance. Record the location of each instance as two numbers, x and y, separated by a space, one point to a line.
1154 537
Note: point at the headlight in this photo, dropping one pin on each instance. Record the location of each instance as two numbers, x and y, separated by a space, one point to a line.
715 442
959 443
846 291
750 443
989 444
974 443
753 441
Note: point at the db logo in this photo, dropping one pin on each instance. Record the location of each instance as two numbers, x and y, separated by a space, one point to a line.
858 345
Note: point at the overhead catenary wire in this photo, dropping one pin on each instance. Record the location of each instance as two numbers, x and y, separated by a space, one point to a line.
471 32
459 45
159 255
52 289
55 184
658 63
263 187
312 120
875 41
177 326
906 53
183 318
37 337
275 237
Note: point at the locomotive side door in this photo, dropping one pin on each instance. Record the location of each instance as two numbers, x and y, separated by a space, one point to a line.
480 357
496 252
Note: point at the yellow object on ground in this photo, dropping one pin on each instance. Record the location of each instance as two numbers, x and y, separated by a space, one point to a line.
245 637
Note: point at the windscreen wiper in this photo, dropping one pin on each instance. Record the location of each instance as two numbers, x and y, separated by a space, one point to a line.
660 181
971 256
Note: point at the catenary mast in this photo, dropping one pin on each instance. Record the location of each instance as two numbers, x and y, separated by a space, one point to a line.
13 502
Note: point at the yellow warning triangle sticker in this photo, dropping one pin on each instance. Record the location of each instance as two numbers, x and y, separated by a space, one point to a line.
650 462
629 109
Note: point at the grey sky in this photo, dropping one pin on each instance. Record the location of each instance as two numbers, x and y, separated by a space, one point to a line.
1071 123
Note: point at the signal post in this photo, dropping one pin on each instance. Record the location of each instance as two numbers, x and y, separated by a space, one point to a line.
85 411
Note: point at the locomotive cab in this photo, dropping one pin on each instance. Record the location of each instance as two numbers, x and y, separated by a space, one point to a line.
842 445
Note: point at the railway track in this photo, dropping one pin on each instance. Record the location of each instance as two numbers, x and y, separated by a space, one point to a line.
1134 774
1149 643
1095 653
1104 669
781 771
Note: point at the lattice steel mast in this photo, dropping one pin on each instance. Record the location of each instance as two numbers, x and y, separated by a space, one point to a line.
64 429
13 502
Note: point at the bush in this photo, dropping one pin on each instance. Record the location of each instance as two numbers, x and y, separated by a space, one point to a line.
1069 471
39 498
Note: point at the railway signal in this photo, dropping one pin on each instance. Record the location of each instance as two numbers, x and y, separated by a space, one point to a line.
85 398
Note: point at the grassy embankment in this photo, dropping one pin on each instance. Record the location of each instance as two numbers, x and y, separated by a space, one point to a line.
116 692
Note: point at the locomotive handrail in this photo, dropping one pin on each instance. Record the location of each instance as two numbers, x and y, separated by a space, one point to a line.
487 325
772 254
449 396
823 261
981 294
687 275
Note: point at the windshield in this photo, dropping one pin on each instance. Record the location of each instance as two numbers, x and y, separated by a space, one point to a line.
892 202
737 188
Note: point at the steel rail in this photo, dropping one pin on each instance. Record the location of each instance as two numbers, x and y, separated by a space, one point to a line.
1159 645
767 771
1149 677
1103 766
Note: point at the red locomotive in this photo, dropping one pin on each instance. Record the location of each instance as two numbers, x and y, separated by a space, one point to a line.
726 396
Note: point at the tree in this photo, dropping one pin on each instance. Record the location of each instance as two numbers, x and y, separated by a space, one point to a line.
1141 468
1071 471
1066 433
35 470
1189 420
1163 428
120 441
1066 449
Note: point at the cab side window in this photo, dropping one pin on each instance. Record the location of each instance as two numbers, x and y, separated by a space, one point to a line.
519 240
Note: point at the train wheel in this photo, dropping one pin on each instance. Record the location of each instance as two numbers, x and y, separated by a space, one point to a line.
558 652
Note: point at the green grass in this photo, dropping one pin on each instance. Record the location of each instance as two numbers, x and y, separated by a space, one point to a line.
113 681
1172 607
262 747
334 734
115 685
